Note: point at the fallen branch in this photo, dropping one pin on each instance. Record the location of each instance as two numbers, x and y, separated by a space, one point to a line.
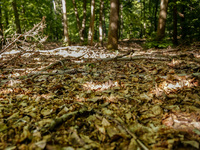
9 45
84 110
22 39
122 58
72 71
126 129
60 120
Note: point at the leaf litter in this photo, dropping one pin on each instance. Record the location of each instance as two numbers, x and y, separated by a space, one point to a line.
92 98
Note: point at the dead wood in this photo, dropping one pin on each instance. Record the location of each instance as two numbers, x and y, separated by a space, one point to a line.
60 120
72 71
22 39
125 128
136 58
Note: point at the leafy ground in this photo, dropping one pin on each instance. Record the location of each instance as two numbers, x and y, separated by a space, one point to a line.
91 98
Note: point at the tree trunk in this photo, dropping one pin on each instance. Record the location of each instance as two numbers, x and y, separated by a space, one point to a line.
100 23
83 21
81 28
54 16
162 20
155 15
104 25
54 6
144 18
17 21
1 29
91 28
6 16
175 41
113 25
66 34
121 22
77 17
183 24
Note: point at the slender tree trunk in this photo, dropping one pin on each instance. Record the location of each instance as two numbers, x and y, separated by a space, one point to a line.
162 20
83 21
113 25
92 19
155 15
1 29
6 16
121 22
77 17
175 41
54 19
104 25
66 33
183 24
144 13
101 23
54 6
17 21
76 14
141 26
81 27
151 17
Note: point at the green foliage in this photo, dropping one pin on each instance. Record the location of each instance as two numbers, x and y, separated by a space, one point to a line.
158 44
152 43
139 19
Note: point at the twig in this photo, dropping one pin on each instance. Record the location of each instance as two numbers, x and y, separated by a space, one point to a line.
72 71
60 120
126 129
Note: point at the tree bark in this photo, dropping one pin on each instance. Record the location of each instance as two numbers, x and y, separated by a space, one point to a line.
162 20
92 19
144 13
81 27
54 6
83 21
113 25
101 23
6 17
104 25
1 29
175 41
17 21
183 24
155 15
66 33
121 22
77 16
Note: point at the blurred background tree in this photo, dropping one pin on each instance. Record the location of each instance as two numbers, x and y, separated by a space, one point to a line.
138 19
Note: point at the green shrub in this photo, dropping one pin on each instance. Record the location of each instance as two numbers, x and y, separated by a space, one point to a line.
158 44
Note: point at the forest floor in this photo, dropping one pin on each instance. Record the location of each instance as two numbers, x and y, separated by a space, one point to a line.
82 97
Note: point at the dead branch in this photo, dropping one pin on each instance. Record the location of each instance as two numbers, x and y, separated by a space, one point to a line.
125 128
135 58
72 71
22 39
60 120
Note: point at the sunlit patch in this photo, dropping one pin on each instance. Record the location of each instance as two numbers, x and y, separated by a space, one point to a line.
174 63
100 86
6 91
175 86
175 83
197 56
13 83
182 121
